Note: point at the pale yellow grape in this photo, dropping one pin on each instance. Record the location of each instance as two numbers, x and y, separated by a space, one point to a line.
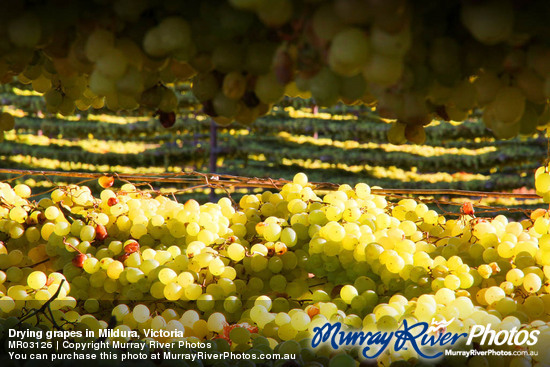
542 182
272 232
216 266
494 294
264 301
52 212
36 279
18 214
7 304
173 291
445 296
300 179
216 322
348 292
515 276
395 263
22 190
532 283
162 256
141 313
167 276
236 252
134 275
158 323
335 232
193 291
115 269
157 220
452 282
257 311
300 320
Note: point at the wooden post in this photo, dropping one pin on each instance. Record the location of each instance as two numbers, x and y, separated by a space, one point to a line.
212 167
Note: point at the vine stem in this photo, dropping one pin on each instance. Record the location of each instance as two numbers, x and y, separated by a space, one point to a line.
45 306
216 180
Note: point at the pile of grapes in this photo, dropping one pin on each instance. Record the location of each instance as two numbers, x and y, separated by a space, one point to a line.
260 275
413 60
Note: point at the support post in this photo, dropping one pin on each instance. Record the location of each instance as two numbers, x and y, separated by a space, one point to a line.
212 167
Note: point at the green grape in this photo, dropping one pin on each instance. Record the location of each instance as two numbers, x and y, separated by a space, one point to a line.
490 22
112 63
325 87
344 360
268 89
349 51
120 311
383 70
290 347
239 335
87 233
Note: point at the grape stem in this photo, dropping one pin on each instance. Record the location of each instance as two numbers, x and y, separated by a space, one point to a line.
45 306
71 246
40 262
230 181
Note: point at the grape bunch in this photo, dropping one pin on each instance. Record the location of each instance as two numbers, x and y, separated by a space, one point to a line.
7 122
411 61
261 274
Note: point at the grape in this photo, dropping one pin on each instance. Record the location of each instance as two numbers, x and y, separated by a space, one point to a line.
268 89
234 85
325 87
534 306
22 190
216 322
300 320
494 294
239 335
532 283
36 279
490 22
383 70
509 105
167 275
275 13
342 360
140 313
349 51
289 347
25 31
452 282
263 283
236 251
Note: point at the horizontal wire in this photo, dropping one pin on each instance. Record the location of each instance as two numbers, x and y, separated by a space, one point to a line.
223 181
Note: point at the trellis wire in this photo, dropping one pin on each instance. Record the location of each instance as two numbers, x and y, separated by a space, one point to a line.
197 180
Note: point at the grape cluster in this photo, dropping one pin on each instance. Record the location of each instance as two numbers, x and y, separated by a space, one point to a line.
261 274
7 122
412 61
